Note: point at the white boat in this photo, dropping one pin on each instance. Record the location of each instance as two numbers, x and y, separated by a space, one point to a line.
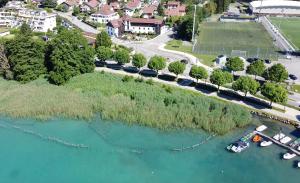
289 155
261 128
299 164
298 148
278 136
266 143
239 146
285 140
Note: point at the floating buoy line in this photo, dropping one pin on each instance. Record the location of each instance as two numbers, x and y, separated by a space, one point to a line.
44 137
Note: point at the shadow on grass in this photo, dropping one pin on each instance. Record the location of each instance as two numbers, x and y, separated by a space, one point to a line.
205 88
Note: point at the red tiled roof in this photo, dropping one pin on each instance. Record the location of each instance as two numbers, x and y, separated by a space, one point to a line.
105 10
143 20
116 23
149 9
179 11
92 3
133 4
72 2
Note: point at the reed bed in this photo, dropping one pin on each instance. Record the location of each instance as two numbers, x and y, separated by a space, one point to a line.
131 101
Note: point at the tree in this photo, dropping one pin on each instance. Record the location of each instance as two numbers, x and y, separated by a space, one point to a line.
122 56
49 4
103 39
185 28
69 55
198 72
274 92
4 64
25 30
219 78
104 53
276 73
76 11
139 60
176 67
246 84
157 63
3 3
256 68
26 58
160 10
235 64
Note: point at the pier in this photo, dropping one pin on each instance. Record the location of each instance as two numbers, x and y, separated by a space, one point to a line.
278 143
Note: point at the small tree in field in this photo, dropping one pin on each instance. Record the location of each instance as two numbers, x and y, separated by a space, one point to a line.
122 56
256 68
176 67
274 92
157 63
220 78
139 60
198 72
104 53
235 64
246 84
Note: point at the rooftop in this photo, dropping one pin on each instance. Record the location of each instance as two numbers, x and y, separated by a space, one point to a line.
133 4
105 10
275 3
149 9
92 3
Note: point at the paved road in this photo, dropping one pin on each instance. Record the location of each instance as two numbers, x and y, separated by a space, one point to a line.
83 26
280 41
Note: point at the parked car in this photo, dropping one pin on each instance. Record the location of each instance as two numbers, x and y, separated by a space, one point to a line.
293 77
184 61
267 61
250 60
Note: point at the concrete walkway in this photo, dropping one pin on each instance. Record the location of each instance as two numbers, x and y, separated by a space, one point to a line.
289 113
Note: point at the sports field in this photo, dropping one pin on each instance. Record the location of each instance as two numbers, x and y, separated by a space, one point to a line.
290 28
221 38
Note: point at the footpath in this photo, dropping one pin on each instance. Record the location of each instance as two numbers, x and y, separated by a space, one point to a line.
289 114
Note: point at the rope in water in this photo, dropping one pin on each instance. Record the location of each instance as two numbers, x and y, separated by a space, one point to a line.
195 145
49 138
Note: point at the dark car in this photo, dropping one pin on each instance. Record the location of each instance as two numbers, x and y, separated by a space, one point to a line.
267 61
293 77
250 60
184 61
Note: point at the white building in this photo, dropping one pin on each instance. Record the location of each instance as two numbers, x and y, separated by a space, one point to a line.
38 20
105 14
276 7
135 26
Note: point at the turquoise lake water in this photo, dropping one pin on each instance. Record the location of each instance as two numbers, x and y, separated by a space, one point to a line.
118 153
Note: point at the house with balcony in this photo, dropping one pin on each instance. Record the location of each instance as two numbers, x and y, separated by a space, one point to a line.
131 7
149 11
38 20
105 14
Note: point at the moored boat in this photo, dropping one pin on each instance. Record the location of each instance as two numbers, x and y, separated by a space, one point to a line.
257 138
238 146
266 143
299 164
285 140
279 136
261 128
289 155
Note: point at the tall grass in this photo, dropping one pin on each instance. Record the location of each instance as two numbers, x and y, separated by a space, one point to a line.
131 101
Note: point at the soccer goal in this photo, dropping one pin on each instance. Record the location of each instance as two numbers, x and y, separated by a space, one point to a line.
239 53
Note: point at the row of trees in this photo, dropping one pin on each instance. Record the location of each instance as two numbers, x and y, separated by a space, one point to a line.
276 73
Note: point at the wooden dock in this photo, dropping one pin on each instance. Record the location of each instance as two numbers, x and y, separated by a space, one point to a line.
278 143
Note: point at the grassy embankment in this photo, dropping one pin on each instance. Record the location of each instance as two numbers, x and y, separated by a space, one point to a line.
145 103
177 45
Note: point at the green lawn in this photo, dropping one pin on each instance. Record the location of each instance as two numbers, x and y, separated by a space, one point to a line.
296 88
290 27
177 45
217 38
